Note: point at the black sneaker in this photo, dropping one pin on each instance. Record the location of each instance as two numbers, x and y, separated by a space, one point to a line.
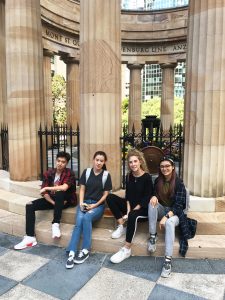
81 257
70 262
152 243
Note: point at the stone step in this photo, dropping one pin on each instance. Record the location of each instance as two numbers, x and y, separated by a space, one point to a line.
202 246
208 223
220 204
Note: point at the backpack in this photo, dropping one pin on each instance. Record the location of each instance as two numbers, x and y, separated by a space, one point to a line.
104 176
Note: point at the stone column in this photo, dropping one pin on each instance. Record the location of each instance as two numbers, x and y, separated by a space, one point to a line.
48 104
24 61
204 154
134 108
100 69
3 102
73 91
167 101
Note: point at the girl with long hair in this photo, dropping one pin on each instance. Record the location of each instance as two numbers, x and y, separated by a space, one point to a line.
134 207
95 184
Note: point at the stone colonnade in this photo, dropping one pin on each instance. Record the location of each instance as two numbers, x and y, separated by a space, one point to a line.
167 101
204 157
100 70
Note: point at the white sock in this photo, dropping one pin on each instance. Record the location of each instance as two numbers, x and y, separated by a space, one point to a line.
85 251
71 253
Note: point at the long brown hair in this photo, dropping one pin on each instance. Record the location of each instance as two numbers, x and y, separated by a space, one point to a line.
140 156
161 180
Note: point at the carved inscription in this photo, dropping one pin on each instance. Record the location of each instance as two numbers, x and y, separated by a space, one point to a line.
159 49
60 38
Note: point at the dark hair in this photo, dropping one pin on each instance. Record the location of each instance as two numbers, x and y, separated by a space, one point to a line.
161 179
102 153
64 155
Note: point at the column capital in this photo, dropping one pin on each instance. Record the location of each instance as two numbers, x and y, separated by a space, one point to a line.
47 52
135 66
168 65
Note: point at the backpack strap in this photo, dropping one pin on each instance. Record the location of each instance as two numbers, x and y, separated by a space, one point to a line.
88 172
104 177
187 201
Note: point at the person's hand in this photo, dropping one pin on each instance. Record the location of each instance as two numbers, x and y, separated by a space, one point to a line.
90 207
154 201
162 222
42 191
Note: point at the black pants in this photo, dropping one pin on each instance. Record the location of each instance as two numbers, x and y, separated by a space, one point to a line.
42 204
118 207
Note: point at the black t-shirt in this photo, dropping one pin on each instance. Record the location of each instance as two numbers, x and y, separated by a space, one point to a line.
93 187
139 190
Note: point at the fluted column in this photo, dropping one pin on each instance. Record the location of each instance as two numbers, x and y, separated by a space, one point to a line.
48 104
167 101
100 69
204 155
134 108
3 109
73 91
24 61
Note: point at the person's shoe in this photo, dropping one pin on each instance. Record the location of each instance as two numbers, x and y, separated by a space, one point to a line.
28 241
56 231
120 230
152 243
122 254
81 257
166 270
70 262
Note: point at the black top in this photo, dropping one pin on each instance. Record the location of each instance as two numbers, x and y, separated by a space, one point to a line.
139 190
93 187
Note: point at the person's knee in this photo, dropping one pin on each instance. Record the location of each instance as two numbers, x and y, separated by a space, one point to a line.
29 206
110 198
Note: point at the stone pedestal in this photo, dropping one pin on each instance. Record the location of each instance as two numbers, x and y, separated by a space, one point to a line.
48 104
134 109
167 101
73 91
204 155
24 61
100 69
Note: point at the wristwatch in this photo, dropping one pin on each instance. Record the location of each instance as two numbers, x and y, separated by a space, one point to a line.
167 215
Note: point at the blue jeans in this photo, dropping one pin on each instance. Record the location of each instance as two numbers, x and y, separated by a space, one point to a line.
83 226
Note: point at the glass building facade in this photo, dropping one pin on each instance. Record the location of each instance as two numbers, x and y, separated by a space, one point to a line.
152 4
152 81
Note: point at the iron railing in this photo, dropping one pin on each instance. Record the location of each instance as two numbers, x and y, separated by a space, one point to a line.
55 139
4 148
170 142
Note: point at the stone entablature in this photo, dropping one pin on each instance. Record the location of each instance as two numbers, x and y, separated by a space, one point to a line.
147 37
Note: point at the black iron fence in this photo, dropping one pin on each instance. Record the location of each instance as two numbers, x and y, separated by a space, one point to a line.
4 148
55 139
155 144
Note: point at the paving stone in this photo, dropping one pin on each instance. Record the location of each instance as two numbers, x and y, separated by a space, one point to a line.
192 266
217 266
160 291
207 286
141 266
6 284
23 292
54 279
50 252
8 241
110 284
17 265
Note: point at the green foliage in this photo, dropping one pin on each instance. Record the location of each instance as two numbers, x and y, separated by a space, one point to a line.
59 99
152 107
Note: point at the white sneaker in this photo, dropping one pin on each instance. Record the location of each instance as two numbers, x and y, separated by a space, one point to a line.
120 230
56 231
28 241
122 254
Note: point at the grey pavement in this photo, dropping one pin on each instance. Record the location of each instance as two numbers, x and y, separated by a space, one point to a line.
40 273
